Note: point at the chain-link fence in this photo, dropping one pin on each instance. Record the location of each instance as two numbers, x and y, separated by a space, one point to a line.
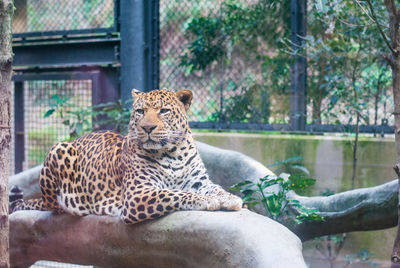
203 47
236 57
62 15
53 109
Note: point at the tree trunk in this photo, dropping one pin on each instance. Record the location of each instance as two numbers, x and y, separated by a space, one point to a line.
393 58
396 96
394 61
6 12
316 108
319 92
355 147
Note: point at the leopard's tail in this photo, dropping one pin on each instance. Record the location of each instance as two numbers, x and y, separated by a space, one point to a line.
17 202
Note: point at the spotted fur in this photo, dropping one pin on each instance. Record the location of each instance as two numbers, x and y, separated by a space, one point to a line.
154 170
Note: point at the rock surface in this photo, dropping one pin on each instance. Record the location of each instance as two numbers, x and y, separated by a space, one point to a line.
182 239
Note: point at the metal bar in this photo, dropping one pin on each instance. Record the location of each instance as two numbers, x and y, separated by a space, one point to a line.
139 46
19 144
154 22
310 129
298 112
64 32
80 53
132 47
66 39
60 75
117 13
240 126
105 88
379 129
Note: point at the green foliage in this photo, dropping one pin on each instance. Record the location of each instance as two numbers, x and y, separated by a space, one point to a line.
116 114
235 34
67 15
235 27
276 201
206 46
78 120
344 59
250 105
39 139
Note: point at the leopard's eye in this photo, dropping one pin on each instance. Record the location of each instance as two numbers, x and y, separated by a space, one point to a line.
164 111
140 111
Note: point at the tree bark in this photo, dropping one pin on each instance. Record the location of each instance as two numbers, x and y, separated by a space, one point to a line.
362 209
394 61
6 12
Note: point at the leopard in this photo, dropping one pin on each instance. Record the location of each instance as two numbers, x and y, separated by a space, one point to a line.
152 171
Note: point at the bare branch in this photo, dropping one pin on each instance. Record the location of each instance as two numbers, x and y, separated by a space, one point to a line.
380 29
389 60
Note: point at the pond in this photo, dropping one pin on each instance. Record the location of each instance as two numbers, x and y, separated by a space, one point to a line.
329 160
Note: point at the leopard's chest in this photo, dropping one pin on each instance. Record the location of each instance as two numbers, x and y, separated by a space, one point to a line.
167 170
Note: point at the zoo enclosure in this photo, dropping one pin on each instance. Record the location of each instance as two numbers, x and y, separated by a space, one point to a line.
95 52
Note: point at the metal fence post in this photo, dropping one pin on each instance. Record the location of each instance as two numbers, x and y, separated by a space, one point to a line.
139 46
298 112
105 89
19 127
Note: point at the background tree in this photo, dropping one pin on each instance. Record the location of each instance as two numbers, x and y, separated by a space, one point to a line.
6 12
388 27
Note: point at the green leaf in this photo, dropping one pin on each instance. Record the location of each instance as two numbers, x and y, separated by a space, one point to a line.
296 182
237 187
274 205
78 129
49 112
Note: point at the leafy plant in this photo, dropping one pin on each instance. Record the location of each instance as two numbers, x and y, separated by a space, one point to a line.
277 203
78 120
115 114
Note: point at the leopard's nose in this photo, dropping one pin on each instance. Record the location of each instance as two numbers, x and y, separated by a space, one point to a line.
148 128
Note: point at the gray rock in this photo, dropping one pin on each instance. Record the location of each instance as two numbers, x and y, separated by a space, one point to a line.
181 239
28 180
227 167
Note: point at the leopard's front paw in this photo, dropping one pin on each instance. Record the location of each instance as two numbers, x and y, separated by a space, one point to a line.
213 204
231 202
204 203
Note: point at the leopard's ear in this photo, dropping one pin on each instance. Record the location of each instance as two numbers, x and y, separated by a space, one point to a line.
185 96
135 93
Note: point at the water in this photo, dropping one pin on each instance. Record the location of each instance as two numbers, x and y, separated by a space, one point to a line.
329 160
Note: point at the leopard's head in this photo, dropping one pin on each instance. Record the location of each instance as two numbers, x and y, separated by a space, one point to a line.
158 118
